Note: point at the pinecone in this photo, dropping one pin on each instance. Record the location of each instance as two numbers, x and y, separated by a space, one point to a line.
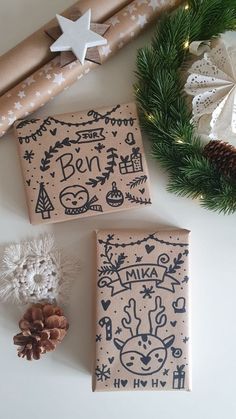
223 155
43 326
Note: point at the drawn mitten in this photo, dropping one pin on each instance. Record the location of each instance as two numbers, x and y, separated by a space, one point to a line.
43 326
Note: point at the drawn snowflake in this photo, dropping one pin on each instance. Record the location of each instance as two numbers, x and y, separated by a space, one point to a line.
103 373
99 147
147 292
29 155
118 330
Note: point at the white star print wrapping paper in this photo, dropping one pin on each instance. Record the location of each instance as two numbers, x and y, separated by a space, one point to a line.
52 79
212 82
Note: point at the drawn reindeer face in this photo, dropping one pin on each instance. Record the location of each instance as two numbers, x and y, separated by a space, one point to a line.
144 354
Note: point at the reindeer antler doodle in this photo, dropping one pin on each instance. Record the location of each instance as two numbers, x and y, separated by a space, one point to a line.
156 316
133 322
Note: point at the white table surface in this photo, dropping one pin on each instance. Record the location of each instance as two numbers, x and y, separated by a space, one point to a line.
59 386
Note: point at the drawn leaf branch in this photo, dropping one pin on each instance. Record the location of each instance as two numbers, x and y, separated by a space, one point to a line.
109 169
139 180
48 155
137 200
177 262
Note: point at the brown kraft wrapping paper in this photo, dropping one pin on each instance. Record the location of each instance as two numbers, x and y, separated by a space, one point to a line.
34 51
142 311
83 164
52 79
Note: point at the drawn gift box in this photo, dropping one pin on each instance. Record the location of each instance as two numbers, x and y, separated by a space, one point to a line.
179 377
132 163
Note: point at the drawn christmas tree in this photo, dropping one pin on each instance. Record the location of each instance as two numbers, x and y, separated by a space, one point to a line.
44 204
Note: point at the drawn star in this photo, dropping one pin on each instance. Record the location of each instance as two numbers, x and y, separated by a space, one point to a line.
47 68
11 120
165 372
30 80
139 258
37 94
142 20
58 79
154 4
118 330
48 76
99 147
98 338
17 105
114 20
185 280
29 155
77 36
147 292
131 8
21 94
105 51
185 340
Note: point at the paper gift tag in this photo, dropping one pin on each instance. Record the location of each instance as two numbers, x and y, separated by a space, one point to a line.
83 164
142 311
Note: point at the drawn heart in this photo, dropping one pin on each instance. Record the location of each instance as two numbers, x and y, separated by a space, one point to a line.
144 383
142 191
149 249
124 382
77 149
53 131
52 174
105 304
163 383
111 359
114 133
174 323
28 182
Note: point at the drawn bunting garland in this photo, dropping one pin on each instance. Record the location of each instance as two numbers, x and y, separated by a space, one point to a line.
164 112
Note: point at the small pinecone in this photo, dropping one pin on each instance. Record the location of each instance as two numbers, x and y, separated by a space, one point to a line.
43 326
223 155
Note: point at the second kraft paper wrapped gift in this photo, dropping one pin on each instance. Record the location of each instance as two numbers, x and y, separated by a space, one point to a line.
142 311
51 79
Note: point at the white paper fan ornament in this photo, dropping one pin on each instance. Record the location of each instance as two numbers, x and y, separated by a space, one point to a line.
212 82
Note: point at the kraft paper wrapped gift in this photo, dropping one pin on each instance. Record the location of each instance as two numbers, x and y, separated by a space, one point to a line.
142 311
83 164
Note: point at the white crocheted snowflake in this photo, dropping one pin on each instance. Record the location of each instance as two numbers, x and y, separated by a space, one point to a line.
212 82
35 271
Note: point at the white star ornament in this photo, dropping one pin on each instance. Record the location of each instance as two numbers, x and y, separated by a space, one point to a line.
77 36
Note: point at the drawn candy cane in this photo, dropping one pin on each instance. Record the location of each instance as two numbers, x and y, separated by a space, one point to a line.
106 321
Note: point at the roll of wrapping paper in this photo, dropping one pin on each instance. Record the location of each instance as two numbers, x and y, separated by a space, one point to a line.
34 51
52 79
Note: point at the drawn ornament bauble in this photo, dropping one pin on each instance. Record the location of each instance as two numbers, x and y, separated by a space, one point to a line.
115 198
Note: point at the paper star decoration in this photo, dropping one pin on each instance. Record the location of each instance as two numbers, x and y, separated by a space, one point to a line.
77 36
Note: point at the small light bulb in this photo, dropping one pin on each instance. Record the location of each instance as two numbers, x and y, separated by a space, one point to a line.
150 117
186 7
179 141
186 45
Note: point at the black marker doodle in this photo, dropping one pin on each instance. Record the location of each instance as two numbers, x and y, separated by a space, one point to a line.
179 305
142 191
44 204
28 182
75 199
53 131
137 181
118 383
137 383
29 156
98 338
103 373
110 166
149 249
118 331
132 163
130 139
52 174
114 133
139 259
179 377
115 197
144 354
77 149
176 352
185 280
99 147
90 135
105 304
106 322
173 323
163 383
166 371
186 339
111 359
177 264
147 291
48 155
136 200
